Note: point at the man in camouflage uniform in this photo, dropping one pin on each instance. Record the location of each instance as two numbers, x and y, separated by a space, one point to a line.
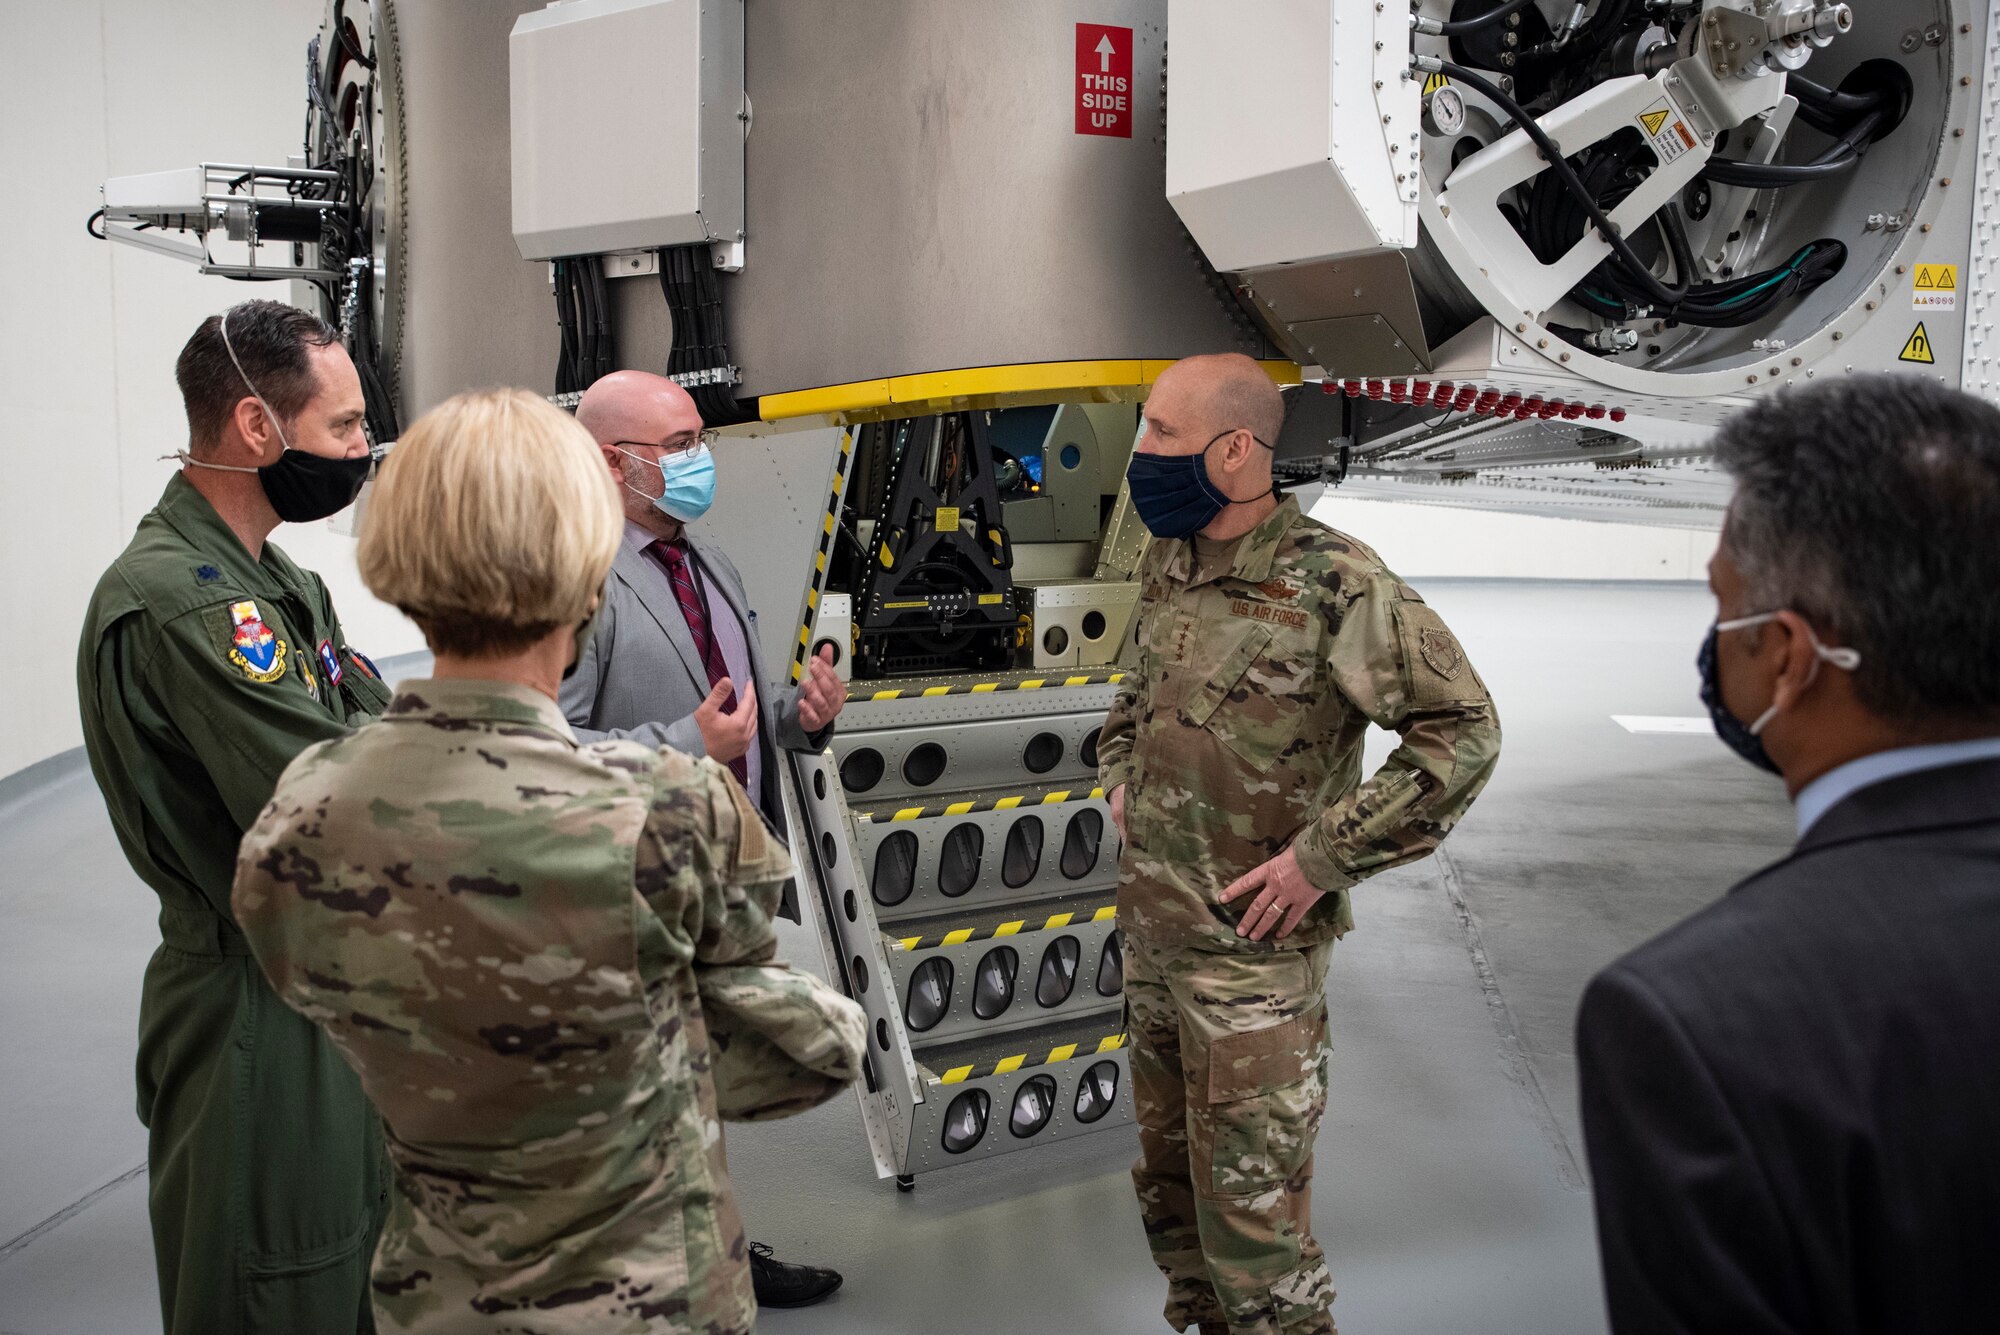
1232 756
551 965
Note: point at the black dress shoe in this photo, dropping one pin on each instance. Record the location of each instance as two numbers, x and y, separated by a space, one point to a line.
781 1284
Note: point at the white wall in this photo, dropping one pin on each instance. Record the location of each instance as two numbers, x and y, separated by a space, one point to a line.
1425 540
89 331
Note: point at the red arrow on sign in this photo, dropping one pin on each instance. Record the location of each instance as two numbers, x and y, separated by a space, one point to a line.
1103 84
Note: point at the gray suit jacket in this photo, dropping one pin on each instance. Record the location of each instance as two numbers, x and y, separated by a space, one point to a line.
640 676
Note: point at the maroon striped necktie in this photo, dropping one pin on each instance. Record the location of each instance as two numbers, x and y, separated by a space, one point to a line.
680 573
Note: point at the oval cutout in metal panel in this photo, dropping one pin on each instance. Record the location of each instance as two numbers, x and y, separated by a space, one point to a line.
958 860
929 994
1082 842
993 982
1056 979
922 766
1088 752
861 770
1043 753
1096 1092
895 869
1111 967
1022 857
1034 1104
965 1120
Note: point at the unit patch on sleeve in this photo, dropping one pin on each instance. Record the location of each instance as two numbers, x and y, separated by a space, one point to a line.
330 660
252 646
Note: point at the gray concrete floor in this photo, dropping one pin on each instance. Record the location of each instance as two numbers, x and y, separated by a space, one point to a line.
1449 1197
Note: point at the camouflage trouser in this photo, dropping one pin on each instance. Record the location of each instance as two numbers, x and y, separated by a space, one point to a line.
1229 1081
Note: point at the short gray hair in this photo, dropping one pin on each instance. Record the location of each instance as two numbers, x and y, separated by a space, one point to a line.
1870 505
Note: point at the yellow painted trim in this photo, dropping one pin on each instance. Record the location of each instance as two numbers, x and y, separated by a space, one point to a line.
936 690
983 387
955 1074
1007 804
1107 912
1008 1065
910 942
959 808
1115 1041
983 687
1062 1054
958 938
908 813
1057 920
1010 928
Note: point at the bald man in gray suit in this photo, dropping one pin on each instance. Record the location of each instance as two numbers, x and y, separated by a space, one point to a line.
673 659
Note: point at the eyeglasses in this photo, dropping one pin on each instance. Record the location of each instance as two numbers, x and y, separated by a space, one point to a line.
676 446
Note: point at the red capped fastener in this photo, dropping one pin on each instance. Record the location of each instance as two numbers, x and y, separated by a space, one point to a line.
1511 402
1420 392
1465 399
1595 412
1351 388
1375 389
1572 411
1549 409
1398 392
1617 414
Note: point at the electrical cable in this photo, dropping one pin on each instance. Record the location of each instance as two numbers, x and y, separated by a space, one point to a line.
1842 155
1640 272
1489 18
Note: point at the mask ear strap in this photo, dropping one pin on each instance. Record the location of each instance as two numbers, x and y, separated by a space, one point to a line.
251 385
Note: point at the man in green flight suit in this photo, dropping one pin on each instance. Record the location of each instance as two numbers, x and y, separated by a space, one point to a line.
208 662
1232 757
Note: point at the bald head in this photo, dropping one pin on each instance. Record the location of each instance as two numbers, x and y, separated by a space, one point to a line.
637 406
1224 391
636 417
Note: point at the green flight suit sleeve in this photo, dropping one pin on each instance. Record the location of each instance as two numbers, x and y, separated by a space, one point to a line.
242 731
1394 660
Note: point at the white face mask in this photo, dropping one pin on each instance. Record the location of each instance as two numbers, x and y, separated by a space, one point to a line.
1845 659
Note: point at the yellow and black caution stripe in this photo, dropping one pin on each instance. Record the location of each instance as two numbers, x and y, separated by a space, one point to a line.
824 556
861 690
1006 1065
1056 798
1055 922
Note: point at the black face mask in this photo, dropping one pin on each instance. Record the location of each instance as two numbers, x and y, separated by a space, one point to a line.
303 487
1733 731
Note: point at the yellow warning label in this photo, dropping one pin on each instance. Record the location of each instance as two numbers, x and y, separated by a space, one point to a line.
1935 288
1435 82
947 518
991 599
1918 349
1653 120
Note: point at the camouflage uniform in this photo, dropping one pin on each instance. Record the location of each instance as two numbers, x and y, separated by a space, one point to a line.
1239 733
553 968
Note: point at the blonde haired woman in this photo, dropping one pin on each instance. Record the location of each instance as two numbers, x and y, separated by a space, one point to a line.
523 945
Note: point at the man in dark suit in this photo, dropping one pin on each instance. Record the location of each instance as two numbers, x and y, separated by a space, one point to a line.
1792 1099
673 658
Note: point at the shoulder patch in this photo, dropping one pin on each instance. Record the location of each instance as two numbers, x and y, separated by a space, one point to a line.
1433 659
330 661
253 646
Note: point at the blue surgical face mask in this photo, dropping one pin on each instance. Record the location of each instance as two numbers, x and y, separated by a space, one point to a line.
1746 740
1174 495
688 479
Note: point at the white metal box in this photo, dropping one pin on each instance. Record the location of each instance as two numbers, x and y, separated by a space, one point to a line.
627 125
1291 129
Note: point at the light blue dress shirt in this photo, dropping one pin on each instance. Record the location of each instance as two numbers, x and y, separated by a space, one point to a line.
1831 788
